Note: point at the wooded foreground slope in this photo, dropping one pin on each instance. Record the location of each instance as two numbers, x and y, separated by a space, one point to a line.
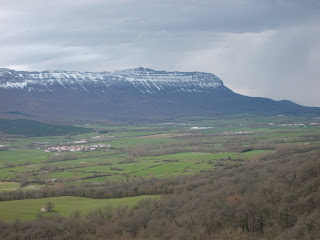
274 197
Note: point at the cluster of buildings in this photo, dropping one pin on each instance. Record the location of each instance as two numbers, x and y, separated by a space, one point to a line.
77 148
237 133
174 123
294 124
200 128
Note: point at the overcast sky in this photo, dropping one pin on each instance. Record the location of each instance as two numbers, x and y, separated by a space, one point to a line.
268 48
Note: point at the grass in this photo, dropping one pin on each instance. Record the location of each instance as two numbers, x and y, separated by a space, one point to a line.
253 153
129 142
193 156
157 140
28 209
8 186
19 156
166 169
92 167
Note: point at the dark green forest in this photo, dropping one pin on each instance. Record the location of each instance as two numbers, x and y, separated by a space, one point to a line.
31 128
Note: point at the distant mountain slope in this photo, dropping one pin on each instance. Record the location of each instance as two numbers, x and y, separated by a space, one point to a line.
129 94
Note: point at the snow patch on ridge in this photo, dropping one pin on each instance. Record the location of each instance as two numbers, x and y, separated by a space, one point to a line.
143 79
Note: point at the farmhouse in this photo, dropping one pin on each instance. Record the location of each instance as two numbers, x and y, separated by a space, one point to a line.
44 209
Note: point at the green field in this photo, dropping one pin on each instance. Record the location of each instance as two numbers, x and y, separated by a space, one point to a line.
28 209
8 186
159 149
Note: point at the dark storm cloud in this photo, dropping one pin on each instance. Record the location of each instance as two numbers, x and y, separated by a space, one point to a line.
252 45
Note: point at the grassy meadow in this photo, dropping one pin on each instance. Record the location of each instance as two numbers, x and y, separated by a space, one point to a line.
29 208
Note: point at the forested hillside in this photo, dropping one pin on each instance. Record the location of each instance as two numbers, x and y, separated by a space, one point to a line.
275 196
31 128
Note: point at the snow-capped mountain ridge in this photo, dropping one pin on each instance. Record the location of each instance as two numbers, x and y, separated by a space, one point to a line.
142 79
133 94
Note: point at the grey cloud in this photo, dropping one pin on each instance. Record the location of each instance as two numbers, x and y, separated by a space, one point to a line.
278 64
251 44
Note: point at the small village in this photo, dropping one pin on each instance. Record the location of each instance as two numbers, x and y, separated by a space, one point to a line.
77 148
237 133
294 124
